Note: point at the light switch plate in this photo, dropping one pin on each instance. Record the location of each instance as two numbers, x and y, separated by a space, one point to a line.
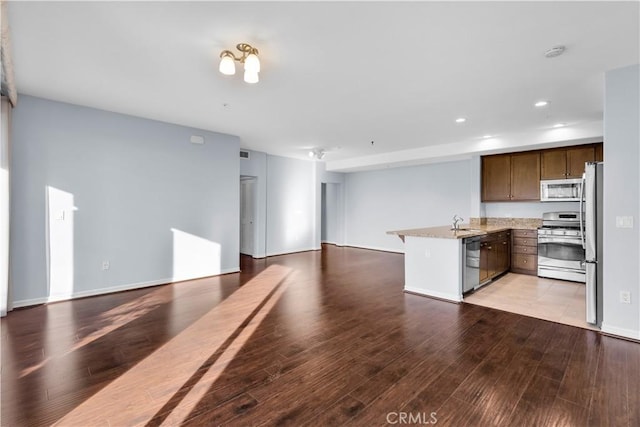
624 222
625 297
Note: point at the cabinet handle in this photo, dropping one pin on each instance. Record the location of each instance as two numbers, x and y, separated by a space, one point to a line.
504 243
525 261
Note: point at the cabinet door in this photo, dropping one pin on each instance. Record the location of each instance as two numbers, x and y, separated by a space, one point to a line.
484 262
496 178
494 260
554 164
599 152
576 158
525 176
504 260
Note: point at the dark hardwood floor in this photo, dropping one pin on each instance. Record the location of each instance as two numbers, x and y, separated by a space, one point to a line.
315 338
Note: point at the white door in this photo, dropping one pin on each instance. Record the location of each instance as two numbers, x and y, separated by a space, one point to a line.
247 209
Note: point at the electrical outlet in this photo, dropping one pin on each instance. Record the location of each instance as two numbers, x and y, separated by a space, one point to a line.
105 265
625 297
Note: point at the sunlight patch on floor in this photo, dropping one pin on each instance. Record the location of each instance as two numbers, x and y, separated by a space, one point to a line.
126 401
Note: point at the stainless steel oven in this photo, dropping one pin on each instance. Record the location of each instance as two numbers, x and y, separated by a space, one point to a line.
560 251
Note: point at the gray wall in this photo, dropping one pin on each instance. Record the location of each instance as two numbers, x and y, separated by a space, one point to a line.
401 198
135 184
293 209
622 198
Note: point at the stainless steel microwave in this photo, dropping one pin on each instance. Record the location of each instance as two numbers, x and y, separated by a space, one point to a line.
560 190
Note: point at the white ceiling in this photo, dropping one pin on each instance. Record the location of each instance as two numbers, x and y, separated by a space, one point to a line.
335 74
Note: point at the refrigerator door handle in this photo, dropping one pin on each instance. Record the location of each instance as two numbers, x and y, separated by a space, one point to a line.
584 181
590 215
591 292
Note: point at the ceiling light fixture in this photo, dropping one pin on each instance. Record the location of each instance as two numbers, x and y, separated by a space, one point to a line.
461 120
487 136
318 153
555 51
559 125
541 103
249 58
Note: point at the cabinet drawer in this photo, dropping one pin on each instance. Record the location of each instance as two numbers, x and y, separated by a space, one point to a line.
533 250
497 236
525 233
502 235
524 262
520 241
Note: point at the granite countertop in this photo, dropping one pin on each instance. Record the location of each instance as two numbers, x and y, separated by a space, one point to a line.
470 230
445 231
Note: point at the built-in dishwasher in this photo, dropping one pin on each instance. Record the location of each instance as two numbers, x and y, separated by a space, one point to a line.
471 257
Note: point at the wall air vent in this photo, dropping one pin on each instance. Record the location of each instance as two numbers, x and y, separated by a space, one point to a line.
244 154
197 139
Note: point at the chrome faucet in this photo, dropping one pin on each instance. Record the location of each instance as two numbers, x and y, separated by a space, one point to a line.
456 220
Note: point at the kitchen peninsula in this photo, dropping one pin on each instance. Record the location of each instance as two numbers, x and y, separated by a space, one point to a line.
433 257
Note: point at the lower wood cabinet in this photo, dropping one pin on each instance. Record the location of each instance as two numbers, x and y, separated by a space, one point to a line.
524 259
494 255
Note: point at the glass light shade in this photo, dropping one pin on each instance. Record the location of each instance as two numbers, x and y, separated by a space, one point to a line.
252 63
250 77
227 66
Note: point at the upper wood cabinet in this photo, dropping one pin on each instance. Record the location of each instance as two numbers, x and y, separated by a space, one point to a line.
516 176
554 164
509 177
568 162
525 176
496 177
599 153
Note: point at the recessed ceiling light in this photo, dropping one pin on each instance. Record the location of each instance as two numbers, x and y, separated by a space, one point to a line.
461 120
487 136
559 125
541 103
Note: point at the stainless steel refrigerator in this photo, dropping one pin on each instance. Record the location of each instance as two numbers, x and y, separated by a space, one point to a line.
591 205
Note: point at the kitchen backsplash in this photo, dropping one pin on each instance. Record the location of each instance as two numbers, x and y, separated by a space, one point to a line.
508 222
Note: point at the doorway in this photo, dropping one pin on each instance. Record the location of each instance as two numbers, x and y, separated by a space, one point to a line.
330 208
248 214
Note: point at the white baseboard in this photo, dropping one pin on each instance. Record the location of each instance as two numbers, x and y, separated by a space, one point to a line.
295 251
374 248
439 295
623 332
109 290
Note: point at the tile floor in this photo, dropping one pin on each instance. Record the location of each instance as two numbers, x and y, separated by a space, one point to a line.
549 299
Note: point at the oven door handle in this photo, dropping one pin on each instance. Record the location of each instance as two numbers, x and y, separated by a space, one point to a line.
577 241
